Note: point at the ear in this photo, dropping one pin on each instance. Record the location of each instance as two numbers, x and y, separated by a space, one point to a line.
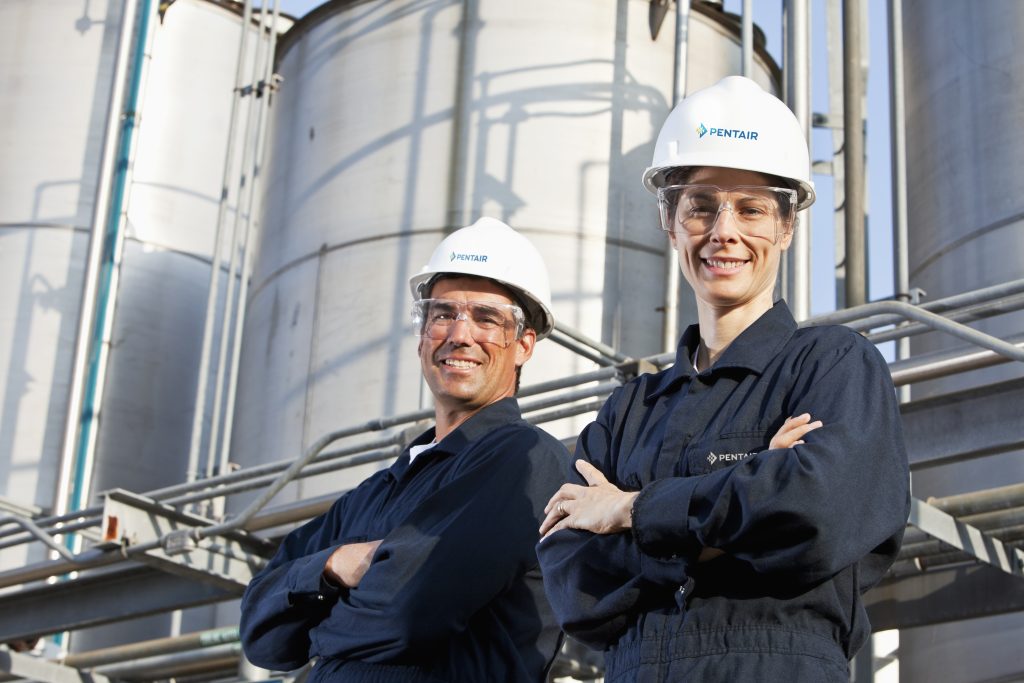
672 239
787 237
524 346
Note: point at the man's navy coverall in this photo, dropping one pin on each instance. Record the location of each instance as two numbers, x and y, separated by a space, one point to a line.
805 530
453 593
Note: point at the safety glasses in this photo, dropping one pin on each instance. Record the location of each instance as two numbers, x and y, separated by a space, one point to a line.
757 211
488 322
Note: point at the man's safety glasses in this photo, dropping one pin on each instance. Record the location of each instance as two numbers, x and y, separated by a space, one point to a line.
757 211
488 322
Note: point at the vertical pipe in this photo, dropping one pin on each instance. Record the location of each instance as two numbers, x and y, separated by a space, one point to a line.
670 330
111 269
864 663
231 288
747 36
250 237
834 36
897 119
797 69
853 125
211 300
93 265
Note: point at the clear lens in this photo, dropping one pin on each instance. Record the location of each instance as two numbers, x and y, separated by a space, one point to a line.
757 211
489 322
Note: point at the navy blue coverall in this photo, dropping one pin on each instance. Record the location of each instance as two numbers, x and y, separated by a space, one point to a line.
453 593
805 530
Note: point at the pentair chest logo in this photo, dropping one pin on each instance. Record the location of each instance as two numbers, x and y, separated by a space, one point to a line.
728 457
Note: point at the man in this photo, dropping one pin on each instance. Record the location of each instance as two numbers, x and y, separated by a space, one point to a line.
693 546
426 571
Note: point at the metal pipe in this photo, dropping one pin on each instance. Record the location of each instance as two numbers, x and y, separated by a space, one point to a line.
602 389
148 648
568 411
93 265
285 477
313 469
192 472
37 533
747 38
565 382
935 322
898 134
238 251
854 319
981 501
579 349
962 315
943 364
250 237
111 270
601 348
797 70
178 663
670 328
853 157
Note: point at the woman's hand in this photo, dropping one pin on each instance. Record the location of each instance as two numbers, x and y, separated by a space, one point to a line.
793 430
600 507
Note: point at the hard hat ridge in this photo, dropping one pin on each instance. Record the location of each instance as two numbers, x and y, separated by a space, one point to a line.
491 249
734 124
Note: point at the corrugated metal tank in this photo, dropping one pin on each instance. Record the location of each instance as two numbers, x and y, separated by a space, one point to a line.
965 139
56 70
398 122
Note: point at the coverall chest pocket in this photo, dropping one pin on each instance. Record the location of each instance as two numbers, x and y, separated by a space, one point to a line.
725 450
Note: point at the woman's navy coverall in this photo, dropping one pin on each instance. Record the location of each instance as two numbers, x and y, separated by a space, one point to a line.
454 592
805 530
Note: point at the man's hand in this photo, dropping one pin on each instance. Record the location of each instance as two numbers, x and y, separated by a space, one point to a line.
600 507
793 430
349 562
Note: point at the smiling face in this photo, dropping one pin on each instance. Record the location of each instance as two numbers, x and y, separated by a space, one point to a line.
727 269
465 375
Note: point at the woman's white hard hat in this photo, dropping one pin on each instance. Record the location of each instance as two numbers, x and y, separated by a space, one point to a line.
488 248
734 124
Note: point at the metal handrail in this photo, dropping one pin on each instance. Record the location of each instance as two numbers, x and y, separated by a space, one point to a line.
232 483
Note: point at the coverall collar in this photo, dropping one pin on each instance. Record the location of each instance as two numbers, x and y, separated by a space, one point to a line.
481 423
752 350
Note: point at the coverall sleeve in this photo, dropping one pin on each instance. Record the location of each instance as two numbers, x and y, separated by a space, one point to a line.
456 551
290 596
595 582
809 511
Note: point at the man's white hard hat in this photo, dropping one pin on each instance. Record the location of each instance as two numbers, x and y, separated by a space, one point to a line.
488 248
734 124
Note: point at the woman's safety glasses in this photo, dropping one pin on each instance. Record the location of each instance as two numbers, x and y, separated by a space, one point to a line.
757 211
488 322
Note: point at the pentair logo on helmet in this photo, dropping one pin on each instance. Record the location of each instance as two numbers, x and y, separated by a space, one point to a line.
480 258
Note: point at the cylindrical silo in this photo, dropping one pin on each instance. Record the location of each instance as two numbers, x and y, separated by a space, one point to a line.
965 142
398 122
56 73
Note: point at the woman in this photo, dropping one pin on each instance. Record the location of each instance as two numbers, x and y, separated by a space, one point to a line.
695 547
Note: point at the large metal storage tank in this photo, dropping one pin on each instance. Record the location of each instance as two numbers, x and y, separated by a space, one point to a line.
56 71
398 122
56 68
965 158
